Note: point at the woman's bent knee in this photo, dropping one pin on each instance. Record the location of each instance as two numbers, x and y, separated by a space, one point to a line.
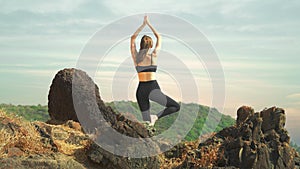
177 107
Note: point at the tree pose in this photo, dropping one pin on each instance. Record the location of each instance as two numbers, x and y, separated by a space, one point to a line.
146 64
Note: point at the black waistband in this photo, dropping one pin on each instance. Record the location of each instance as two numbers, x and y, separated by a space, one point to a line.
150 68
150 81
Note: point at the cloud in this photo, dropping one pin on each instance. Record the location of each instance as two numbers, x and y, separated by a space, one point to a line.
40 6
218 11
58 17
30 72
256 40
293 96
203 9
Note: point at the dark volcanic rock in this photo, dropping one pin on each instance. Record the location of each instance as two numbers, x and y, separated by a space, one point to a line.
258 140
243 114
107 160
266 145
265 141
274 118
60 101
74 96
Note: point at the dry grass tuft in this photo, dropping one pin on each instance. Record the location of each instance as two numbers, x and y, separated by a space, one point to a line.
67 140
69 148
16 132
209 155
167 163
205 156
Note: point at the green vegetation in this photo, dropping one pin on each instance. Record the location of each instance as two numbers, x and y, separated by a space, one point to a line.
40 113
163 124
28 112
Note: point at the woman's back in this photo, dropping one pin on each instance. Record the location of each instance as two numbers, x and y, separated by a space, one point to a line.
147 64
147 59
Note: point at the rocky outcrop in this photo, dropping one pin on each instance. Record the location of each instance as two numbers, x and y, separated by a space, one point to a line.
258 140
74 96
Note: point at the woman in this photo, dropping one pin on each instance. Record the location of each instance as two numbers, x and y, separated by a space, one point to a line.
148 88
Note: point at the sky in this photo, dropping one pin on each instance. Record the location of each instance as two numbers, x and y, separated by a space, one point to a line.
257 43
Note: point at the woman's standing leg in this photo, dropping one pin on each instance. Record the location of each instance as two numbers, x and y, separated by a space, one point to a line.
142 96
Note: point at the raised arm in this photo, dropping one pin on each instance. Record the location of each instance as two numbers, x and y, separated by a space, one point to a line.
132 41
158 37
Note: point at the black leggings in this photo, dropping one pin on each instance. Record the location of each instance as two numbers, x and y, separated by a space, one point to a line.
150 90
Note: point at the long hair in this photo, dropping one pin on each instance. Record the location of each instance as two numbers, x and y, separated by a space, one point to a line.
145 45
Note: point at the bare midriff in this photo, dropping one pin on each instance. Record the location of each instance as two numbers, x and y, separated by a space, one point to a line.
146 76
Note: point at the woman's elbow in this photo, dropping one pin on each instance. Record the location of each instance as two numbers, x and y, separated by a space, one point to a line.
158 37
133 37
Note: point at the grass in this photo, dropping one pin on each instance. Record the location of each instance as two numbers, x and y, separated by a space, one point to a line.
19 133
207 156
15 132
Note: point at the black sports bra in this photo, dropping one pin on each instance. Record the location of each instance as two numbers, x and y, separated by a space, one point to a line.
149 68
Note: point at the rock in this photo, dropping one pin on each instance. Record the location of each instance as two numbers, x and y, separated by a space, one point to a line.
243 114
257 134
107 160
273 118
72 90
263 157
297 161
248 156
62 104
258 140
269 142
60 101
72 94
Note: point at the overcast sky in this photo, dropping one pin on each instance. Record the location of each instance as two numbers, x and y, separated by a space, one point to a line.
257 43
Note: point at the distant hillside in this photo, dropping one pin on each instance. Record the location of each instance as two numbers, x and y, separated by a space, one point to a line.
165 123
28 112
40 113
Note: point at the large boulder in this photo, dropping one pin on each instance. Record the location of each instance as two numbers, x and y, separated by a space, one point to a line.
74 96
60 100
